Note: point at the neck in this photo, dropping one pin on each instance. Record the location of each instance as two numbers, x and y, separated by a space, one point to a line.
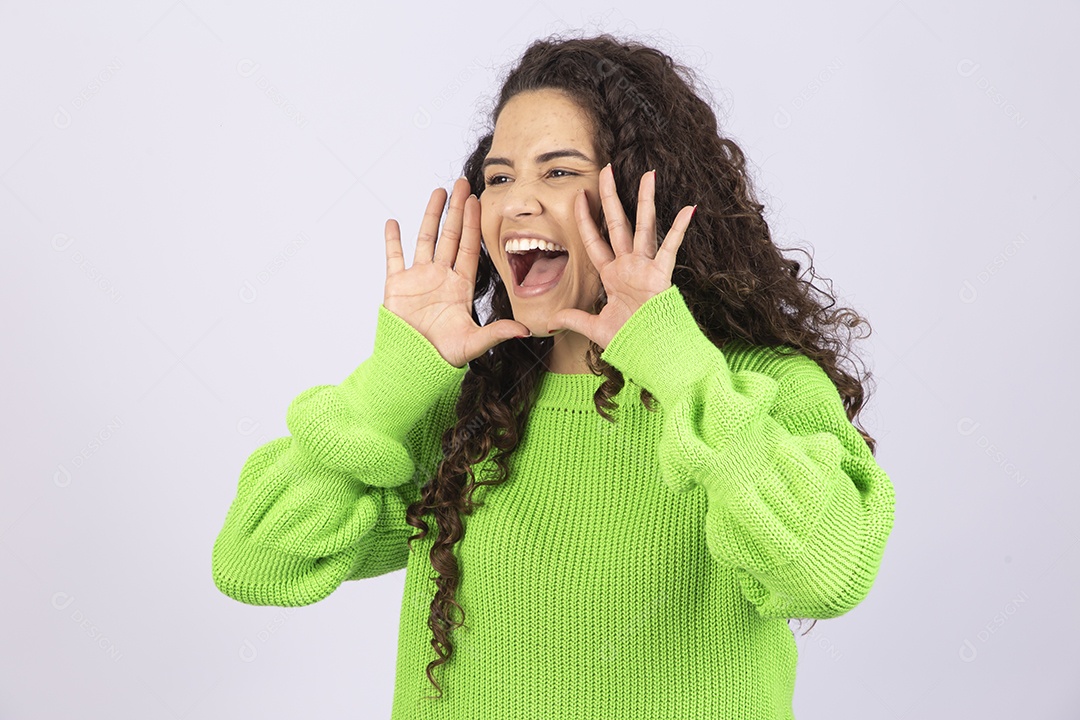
567 355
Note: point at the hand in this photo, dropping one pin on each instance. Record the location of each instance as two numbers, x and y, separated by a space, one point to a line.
632 269
435 295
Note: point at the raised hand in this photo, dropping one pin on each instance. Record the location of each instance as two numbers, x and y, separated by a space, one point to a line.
632 269
435 295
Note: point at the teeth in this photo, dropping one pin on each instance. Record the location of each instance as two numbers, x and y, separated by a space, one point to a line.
520 245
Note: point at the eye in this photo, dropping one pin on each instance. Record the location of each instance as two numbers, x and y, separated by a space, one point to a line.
491 180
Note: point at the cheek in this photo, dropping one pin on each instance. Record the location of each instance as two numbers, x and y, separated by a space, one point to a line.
487 232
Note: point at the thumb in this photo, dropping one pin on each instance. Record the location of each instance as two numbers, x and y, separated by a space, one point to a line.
491 335
510 329
570 319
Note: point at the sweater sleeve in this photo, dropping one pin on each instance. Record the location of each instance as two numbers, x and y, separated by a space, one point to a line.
796 503
327 503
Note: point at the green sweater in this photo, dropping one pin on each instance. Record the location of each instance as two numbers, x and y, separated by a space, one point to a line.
642 569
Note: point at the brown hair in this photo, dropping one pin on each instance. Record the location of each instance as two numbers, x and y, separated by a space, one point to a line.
646 113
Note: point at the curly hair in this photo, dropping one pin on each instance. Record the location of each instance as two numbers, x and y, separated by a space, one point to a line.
646 113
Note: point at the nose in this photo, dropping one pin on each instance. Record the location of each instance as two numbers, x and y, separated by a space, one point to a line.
519 199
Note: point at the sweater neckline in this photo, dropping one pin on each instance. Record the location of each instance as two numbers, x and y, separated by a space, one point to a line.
568 390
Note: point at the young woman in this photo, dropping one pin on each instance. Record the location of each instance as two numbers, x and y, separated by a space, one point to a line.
652 416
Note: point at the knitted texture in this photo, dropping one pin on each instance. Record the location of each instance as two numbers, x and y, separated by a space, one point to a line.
640 569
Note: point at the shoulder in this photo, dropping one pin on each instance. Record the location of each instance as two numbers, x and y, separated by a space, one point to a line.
800 380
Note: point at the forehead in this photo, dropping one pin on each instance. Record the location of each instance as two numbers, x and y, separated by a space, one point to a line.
535 120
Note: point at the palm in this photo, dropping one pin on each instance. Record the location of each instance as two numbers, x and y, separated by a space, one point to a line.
432 295
435 295
628 281
633 269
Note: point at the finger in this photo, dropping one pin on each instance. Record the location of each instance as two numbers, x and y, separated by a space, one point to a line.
645 230
618 224
573 319
488 336
395 259
468 254
673 240
598 250
446 250
429 226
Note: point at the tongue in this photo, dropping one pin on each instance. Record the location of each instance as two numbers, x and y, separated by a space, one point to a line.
545 268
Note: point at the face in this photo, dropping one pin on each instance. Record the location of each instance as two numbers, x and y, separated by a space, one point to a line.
530 189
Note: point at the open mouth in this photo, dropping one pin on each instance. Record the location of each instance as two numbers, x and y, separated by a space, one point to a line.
537 267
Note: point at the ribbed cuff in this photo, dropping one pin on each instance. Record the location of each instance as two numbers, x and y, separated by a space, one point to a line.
392 389
661 348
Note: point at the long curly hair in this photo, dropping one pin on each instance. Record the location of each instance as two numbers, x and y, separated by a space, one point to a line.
646 113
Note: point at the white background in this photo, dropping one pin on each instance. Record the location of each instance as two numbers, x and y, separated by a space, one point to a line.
192 199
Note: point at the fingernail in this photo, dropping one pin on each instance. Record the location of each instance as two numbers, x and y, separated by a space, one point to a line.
693 211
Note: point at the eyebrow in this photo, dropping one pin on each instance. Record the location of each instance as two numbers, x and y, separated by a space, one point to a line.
541 158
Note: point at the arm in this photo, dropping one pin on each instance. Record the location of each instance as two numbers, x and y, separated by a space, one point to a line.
796 502
322 505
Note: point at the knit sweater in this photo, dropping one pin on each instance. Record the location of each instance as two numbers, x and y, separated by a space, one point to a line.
642 569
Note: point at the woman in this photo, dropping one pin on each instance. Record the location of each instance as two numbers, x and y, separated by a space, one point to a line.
653 418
